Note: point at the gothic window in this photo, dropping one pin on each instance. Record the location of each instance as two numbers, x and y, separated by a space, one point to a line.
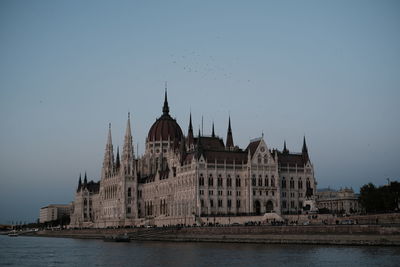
219 180
300 184
129 192
202 203
238 203
272 181
265 159
237 181
201 180
259 159
292 204
128 210
283 182
210 180
229 181
219 203
266 181
229 203
291 183
253 180
308 184
259 181
284 204
211 203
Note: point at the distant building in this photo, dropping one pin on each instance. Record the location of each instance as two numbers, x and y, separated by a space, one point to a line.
344 201
182 178
53 212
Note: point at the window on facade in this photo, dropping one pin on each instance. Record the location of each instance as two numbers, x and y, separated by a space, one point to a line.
254 192
201 180
272 181
219 192
300 184
211 203
219 203
210 192
174 171
210 180
129 192
229 203
308 184
260 193
265 159
259 159
220 181
253 180
128 210
291 183
292 204
284 204
260 181
238 193
237 181
202 202
238 203
283 182
229 181
266 181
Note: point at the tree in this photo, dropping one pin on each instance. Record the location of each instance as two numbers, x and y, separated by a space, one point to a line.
380 199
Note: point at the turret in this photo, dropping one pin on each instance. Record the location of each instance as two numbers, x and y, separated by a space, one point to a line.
128 153
304 150
79 183
285 150
117 161
108 163
229 137
213 132
190 138
85 181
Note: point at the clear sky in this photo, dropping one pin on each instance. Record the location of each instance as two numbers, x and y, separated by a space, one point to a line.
329 70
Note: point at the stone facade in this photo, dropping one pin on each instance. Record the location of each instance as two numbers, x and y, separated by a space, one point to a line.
343 201
181 178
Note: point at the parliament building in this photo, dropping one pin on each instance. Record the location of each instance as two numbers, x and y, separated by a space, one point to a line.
184 179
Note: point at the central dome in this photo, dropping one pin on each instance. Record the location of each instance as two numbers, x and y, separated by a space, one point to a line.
165 127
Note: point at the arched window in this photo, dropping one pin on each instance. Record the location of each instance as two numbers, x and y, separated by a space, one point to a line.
291 183
219 180
210 180
129 192
253 180
238 181
308 184
265 159
272 181
266 183
201 180
259 181
283 182
300 183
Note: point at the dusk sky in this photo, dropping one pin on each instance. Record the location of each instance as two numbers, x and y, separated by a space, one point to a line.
329 70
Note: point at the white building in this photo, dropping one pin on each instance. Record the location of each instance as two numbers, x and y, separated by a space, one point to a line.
344 201
180 179
53 212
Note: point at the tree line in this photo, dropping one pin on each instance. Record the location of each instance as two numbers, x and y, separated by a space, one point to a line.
380 199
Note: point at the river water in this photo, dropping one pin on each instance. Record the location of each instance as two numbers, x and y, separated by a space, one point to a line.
45 251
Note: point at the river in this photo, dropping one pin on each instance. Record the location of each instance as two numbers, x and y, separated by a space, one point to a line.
44 251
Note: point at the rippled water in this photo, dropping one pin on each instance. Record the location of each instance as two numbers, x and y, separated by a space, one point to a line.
43 251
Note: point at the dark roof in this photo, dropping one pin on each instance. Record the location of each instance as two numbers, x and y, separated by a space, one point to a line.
238 156
253 146
92 187
292 159
211 143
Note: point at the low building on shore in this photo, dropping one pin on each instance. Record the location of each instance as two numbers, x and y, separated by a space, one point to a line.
53 212
343 201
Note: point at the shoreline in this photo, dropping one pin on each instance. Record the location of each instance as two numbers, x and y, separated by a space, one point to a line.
360 235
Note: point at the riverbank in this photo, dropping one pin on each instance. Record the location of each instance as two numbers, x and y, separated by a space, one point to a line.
371 235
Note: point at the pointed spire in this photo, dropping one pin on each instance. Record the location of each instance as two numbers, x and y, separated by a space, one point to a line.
213 132
199 145
85 180
79 183
165 107
229 137
108 163
285 150
117 161
190 131
128 150
305 150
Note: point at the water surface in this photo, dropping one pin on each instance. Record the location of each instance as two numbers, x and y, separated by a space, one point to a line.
45 251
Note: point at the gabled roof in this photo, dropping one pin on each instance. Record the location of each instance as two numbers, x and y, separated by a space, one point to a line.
291 159
253 146
211 143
